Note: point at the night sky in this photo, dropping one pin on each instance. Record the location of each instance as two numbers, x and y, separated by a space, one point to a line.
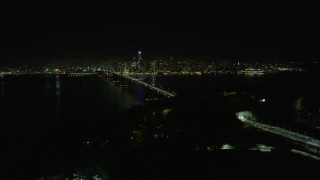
247 31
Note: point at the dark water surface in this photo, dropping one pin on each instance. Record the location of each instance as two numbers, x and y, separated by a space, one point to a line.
43 115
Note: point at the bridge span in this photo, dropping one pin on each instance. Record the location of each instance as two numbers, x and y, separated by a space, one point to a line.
150 86
311 144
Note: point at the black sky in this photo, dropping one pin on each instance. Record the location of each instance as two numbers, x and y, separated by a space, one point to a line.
243 30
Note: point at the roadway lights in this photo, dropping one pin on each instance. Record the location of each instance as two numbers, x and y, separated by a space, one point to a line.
262 100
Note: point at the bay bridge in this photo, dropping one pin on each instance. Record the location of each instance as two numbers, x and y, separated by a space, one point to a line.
311 144
150 86
153 83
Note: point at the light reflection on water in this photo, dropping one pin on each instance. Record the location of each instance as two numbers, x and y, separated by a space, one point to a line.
58 101
118 98
67 99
